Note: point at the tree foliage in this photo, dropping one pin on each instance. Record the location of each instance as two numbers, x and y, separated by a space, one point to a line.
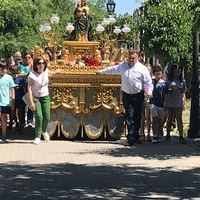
166 28
20 21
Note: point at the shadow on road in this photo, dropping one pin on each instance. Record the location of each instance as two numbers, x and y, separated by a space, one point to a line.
163 151
70 181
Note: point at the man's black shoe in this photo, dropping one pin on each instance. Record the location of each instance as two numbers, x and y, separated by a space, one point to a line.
130 139
137 141
131 142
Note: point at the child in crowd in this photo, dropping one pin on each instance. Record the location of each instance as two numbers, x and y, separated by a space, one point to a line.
157 109
7 96
175 100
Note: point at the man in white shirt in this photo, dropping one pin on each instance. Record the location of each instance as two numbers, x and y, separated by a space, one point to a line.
135 80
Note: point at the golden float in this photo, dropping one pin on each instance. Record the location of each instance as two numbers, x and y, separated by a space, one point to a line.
84 104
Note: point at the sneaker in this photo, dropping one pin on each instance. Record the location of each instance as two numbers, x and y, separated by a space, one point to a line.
3 139
30 124
46 137
37 140
155 140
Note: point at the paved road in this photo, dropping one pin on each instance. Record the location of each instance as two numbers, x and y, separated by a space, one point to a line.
99 170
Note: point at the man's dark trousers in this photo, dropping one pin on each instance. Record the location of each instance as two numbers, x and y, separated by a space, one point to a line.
133 105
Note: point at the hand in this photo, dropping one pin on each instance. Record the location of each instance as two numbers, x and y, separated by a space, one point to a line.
148 93
32 107
98 72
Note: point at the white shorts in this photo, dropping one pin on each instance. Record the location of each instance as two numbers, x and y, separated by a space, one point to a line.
157 111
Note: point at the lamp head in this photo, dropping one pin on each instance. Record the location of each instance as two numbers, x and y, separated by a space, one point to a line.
110 6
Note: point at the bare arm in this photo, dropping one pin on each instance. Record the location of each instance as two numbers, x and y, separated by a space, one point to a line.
147 83
12 95
116 69
30 94
21 74
184 101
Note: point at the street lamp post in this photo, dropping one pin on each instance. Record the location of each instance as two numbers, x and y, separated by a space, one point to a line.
194 114
110 6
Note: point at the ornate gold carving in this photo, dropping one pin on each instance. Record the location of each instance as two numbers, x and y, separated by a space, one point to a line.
86 93
64 97
107 99
90 79
39 52
79 48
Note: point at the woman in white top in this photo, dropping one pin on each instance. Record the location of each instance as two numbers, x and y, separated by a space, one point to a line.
39 100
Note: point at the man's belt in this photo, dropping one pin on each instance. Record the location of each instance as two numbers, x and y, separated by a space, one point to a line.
133 94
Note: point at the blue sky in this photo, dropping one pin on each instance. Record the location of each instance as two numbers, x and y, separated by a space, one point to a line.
123 6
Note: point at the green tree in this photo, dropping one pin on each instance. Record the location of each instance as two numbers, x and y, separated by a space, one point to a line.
166 29
20 21
17 26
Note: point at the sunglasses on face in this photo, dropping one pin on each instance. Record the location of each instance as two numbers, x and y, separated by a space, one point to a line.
41 63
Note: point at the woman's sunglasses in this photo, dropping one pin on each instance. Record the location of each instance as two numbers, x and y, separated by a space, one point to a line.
41 63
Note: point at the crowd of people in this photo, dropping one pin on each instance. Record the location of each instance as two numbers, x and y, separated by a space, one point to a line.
149 97
18 77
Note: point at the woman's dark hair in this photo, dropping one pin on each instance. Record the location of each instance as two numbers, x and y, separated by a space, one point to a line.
3 65
171 72
36 61
28 54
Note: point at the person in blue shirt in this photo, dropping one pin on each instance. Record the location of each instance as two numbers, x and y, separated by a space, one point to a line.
7 96
158 102
19 73
28 62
